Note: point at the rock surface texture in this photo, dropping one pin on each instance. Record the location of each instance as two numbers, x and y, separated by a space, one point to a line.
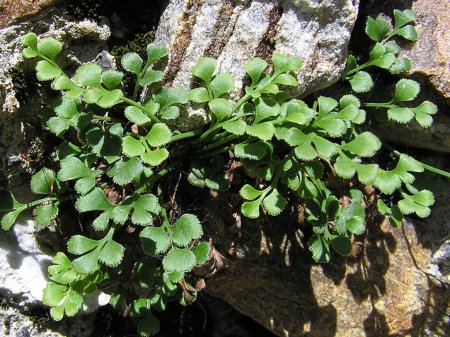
384 290
12 10
19 103
238 30
430 56
24 257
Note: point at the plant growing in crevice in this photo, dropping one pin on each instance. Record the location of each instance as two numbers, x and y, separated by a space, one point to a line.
285 147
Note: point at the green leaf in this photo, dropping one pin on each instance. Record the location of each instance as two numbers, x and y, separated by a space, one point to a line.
400 65
145 208
361 82
250 209
181 260
406 90
101 222
385 61
201 253
105 143
154 240
159 135
255 151
148 325
402 18
132 147
418 203
89 75
171 96
199 95
124 171
345 167
367 173
155 157
221 84
73 168
155 52
58 125
274 203
79 244
221 109
87 264
286 79
132 62
282 63
400 115
136 115
42 182
112 253
236 127
103 98
265 108
111 78
46 71
93 201
255 68
319 249
205 68
30 40
377 28
326 104
408 32
46 213
9 218
186 229
364 145
48 46
29 53
263 131
151 76
171 112
423 112
341 245
248 192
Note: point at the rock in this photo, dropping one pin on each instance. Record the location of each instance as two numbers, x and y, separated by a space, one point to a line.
14 10
430 56
234 32
383 290
21 97
16 323
24 258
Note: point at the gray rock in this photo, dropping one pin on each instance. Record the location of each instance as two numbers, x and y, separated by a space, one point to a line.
16 323
87 42
23 257
234 32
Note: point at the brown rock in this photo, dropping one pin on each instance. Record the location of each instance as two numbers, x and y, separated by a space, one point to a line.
12 10
430 56
271 277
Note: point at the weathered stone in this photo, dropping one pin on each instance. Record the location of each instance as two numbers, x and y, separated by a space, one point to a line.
430 55
383 290
430 58
14 10
87 42
234 32
16 323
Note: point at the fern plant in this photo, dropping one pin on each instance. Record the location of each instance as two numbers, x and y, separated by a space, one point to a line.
289 150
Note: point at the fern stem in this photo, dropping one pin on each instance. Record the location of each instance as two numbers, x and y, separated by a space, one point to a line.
185 135
427 167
